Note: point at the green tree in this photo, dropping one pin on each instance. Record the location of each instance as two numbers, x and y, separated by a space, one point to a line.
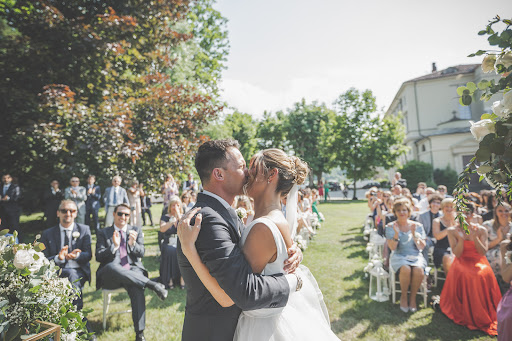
417 171
447 177
271 131
361 140
306 127
243 129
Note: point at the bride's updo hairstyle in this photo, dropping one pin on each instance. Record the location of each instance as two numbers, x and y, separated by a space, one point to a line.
292 170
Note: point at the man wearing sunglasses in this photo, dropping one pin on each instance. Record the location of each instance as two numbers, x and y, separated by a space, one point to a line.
78 194
69 245
119 250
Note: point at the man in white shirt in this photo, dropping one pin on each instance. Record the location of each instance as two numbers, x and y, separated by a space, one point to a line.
423 204
78 194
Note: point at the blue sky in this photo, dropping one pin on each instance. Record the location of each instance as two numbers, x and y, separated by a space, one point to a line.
284 50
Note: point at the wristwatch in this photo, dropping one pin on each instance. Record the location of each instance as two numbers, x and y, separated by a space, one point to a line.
299 282
395 239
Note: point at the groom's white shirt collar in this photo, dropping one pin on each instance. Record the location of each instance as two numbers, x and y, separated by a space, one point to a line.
222 201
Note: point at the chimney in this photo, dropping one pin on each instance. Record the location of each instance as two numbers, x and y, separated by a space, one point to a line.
434 67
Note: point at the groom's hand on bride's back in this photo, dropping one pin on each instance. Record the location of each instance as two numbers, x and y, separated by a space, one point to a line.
294 259
188 233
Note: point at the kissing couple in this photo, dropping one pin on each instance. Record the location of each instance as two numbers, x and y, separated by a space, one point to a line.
245 283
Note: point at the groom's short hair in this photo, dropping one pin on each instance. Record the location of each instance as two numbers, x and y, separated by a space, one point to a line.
211 155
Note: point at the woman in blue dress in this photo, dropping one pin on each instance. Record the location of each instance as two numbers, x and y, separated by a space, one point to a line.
406 238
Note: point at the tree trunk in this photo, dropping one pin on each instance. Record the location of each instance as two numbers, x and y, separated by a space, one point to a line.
355 180
311 178
318 176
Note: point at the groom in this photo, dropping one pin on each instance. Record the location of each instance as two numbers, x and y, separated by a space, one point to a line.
223 173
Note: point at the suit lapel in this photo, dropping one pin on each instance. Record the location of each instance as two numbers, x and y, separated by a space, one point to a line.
58 240
228 215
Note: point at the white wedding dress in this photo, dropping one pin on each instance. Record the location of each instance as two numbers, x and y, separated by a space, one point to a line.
304 317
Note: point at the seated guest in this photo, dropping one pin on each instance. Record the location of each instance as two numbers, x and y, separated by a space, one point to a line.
423 204
406 239
491 203
497 230
244 202
504 313
69 246
471 293
119 250
443 191
185 200
426 219
442 254
170 273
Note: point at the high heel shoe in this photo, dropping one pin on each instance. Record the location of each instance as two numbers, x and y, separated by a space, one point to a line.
413 310
404 309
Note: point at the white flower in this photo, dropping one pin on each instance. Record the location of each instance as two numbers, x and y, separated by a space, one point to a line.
504 59
507 101
241 213
75 234
482 128
507 257
488 63
417 235
39 262
499 109
68 337
23 259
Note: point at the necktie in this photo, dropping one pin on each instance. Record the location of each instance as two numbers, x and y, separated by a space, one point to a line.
115 197
122 252
66 240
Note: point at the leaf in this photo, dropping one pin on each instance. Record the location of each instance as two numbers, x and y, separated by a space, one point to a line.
466 100
497 147
484 169
460 90
482 32
471 86
483 153
12 333
487 140
484 116
494 39
4 232
482 85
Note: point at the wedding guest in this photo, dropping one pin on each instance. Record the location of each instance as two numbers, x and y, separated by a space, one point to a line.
145 206
396 178
242 201
190 184
119 251
396 190
443 191
134 193
491 203
193 200
92 204
68 244
423 204
497 230
504 313
170 274
442 252
420 191
320 189
114 196
52 197
185 200
78 194
427 218
9 204
471 294
407 239
169 189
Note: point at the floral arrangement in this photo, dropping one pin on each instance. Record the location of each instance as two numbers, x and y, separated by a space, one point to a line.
375 262
30 290
494 130
301 242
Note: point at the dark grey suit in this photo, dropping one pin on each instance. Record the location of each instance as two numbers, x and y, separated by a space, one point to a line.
111 275
217 245
426 220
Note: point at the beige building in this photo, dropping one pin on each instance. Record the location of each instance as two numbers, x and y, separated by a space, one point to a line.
437 126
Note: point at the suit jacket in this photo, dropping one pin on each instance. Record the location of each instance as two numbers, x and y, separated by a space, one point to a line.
93 200
147 199
105 251
52 202
217 245
424 219
52 239
14 194
79 199
123 197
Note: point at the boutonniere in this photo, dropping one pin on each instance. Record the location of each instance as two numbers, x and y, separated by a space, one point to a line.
241 213
75 235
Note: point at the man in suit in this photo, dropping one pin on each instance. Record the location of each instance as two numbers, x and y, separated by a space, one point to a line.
92 204
145 205
9 204
114 196
223 174
68 244
119 250
426 218
52 197
190 184
78 194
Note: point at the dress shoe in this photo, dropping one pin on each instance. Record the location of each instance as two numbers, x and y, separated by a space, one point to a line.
160 291
140 336
413 310
404 309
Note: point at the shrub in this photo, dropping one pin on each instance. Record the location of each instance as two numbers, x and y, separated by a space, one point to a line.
417 171
447 177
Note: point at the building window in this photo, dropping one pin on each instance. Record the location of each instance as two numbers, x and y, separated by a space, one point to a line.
423 148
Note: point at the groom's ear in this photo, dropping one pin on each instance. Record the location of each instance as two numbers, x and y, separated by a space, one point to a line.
218 174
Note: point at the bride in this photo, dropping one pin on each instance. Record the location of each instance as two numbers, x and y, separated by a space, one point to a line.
272 175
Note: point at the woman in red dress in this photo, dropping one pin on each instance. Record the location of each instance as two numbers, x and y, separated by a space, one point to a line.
471 293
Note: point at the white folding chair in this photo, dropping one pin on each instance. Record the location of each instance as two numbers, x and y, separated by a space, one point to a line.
394 284
107 295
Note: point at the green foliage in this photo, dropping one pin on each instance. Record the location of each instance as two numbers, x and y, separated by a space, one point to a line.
447 177
418 171
361 140
271 132
106 87
242 128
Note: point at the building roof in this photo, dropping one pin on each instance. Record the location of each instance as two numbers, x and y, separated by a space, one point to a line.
451 71
446 131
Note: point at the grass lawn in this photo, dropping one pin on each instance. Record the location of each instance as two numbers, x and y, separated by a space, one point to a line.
336 257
